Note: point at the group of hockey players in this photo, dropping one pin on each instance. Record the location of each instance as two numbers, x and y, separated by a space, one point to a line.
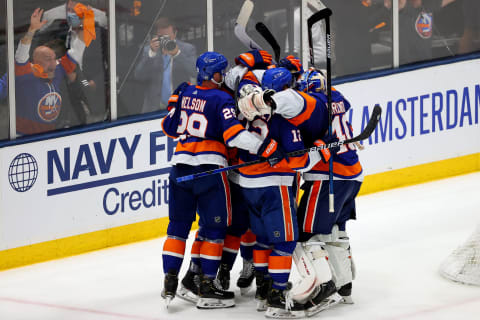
260 110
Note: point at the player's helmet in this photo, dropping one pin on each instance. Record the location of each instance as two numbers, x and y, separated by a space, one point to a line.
276 79
208 64
312 81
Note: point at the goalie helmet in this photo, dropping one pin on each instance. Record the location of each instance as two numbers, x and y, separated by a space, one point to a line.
312 81
276 79
210 63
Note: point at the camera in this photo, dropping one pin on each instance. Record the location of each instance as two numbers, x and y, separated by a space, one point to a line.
166 43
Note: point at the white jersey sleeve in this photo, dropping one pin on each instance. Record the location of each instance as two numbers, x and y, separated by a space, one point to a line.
232 75
288 103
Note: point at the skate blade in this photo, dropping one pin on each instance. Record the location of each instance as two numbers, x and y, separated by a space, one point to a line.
187 295
261 305
244 291
324 305
212 303
277 313
347 300
167 300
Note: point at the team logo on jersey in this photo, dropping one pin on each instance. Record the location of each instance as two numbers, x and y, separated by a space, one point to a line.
49 106
424 25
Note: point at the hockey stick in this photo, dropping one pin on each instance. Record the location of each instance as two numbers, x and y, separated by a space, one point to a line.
268 36
371 125
241 25
316 17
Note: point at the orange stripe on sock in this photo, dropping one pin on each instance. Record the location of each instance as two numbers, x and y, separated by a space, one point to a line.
211 249
248 238
174 245
279 262
231 242
261 256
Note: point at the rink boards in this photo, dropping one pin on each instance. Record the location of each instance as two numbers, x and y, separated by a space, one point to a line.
101 188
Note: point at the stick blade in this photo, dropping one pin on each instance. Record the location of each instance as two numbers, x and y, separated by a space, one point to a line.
267 35
372 123
317 16
245 13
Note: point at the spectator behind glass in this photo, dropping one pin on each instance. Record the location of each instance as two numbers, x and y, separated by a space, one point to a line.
470 40
3 87
67 21
416 27
38 97
164 64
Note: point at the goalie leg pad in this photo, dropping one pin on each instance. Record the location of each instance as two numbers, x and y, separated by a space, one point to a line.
340 258
312 265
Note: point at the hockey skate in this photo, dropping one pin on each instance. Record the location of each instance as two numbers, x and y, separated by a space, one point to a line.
326 297
263 285
170 284
223 277
281 306
345 292
211 297
189 289
247 275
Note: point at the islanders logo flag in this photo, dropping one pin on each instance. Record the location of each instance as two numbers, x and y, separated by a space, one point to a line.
424 25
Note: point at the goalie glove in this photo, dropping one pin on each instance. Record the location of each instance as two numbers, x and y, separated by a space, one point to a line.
253 104
254 59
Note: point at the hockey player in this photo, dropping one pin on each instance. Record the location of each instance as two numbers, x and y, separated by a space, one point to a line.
323 234
269 196
204 120
249 69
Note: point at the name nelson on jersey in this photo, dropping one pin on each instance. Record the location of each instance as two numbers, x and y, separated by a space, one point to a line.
194 104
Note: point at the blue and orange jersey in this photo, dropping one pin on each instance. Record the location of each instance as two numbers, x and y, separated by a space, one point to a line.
309 112
204 120
38 99
289 138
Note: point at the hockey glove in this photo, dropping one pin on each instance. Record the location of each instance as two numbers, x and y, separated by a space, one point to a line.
325 154
271 151
254 59
172 101
292 64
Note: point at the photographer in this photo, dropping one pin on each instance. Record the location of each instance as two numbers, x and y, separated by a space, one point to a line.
165 63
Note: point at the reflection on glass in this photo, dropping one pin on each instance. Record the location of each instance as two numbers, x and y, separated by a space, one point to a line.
158 44
61 62
4 114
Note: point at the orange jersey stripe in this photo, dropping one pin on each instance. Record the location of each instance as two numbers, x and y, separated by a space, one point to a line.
312 206
340 169
287 213
250 76
196 248
279 263
298 162
263 168
202 146
232 131
175 246
305 115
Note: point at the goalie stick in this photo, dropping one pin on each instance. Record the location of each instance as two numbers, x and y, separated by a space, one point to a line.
268 36
371 125
241 25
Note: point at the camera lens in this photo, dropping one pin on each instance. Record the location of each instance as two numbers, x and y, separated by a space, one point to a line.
170 45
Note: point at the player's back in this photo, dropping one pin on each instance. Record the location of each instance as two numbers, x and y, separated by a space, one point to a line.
207 121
